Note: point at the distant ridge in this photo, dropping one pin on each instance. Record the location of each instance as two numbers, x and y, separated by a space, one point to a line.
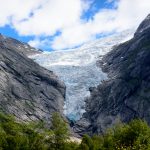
21 47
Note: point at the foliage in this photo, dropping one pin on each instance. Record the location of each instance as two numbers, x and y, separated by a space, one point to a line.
87 143
34 136
16 136
60 132
132 136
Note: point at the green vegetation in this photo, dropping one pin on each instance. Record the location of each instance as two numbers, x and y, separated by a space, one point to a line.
132 136
60 133
33 136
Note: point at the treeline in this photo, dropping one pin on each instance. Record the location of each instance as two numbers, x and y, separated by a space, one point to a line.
34 136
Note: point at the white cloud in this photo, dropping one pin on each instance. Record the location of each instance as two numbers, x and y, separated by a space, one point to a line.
127 14
53 16
40 43
16 10
44 18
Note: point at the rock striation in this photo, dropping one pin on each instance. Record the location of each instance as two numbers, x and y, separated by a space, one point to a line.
126 94
27 90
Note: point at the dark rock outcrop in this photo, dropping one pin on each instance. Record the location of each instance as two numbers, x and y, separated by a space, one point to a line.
27 90
126 94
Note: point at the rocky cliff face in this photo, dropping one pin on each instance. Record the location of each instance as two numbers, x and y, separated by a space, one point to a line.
126 94
27 90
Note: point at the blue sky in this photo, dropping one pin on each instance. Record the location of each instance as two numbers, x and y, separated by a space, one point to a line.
63 24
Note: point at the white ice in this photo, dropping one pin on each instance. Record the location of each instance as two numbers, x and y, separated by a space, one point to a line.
78 69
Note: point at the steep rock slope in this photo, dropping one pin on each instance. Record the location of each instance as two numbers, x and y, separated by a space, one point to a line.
27 90
126 94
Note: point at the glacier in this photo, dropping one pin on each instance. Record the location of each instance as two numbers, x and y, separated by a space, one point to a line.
77 68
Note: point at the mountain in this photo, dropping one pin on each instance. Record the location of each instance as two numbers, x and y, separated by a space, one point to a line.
27 90
125 95
78 69
21 47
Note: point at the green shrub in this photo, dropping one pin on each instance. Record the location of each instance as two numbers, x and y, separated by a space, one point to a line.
33 136
132 136
60 133
87 142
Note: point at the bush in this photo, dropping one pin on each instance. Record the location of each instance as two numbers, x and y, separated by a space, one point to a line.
87 142
33 136
20 136
132 136
60 133
16 136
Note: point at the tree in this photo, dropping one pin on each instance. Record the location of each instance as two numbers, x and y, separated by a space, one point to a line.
86 140
16 135
60 131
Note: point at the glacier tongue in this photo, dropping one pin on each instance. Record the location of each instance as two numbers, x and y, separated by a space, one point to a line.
77 68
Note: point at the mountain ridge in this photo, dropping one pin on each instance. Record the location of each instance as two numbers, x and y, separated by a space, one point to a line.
21 47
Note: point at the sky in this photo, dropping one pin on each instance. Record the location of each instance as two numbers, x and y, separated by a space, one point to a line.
63 24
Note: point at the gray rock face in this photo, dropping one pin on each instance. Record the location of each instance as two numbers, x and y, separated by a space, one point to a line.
126 94
21 47
27 90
